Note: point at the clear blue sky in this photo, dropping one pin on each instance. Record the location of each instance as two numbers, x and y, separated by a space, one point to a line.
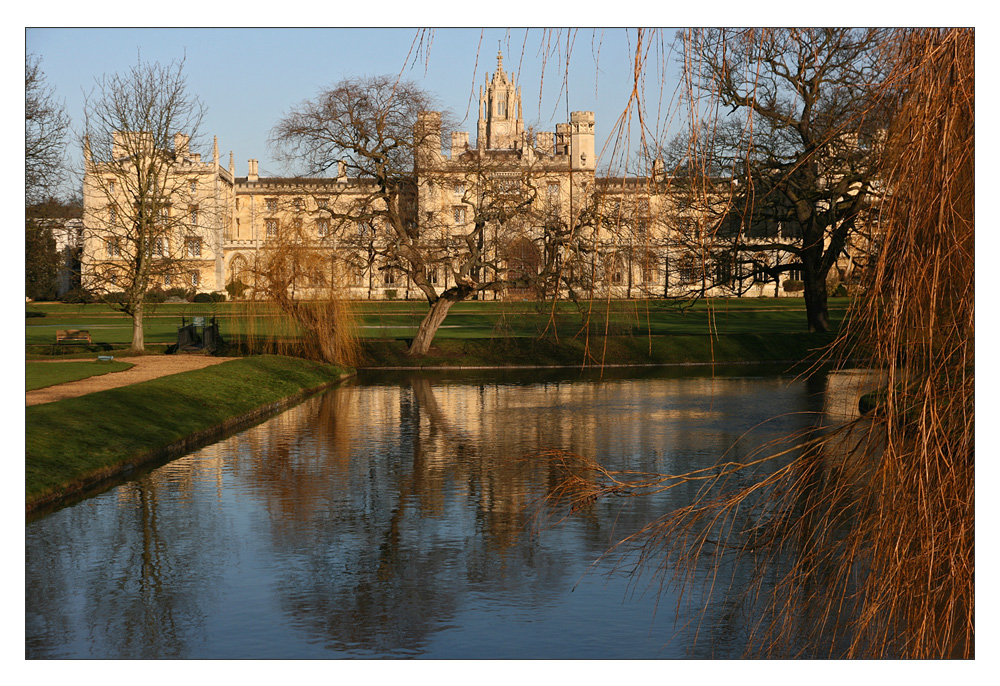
248 78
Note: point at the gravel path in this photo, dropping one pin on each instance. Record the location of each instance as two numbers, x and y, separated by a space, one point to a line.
146 367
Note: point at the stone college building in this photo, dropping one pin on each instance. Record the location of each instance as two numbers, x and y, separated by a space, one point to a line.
624 237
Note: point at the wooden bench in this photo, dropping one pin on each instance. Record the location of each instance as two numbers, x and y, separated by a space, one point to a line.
72 337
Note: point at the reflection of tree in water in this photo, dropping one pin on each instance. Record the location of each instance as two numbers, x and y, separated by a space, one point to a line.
146 593
376 539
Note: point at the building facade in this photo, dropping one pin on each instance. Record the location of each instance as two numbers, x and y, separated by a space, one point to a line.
624 237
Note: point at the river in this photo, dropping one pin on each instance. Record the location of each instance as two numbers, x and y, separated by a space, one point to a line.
392 517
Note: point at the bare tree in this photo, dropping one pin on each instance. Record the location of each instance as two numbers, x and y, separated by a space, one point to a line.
45 128
799 129
139 172
381 134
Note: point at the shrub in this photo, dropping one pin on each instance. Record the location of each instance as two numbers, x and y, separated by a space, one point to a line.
235 289
390 294
77 295
117 297
155 295
840 291
794 285
209 298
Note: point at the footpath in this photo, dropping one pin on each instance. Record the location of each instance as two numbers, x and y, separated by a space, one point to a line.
145 367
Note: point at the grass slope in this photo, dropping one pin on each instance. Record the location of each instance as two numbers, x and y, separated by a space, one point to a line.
78 440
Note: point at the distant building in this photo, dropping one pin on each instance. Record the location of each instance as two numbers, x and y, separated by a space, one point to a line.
648 242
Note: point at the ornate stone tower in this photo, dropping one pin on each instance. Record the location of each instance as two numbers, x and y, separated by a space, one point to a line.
501 126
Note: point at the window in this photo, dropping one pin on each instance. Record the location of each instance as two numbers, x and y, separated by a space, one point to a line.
111 245
272 204
459 215
432 276
111 187
194 186
271 228
459 189
322 203
366 228
195 278
322 227
388 278
193 212
502 107
112 216
159 247
166 280
164 215
193 247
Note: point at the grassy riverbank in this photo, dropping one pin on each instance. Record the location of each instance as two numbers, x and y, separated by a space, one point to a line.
597 351
73 443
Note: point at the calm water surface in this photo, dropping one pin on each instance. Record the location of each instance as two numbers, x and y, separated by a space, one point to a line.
391 517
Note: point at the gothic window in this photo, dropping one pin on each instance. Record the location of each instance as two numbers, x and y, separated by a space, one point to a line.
271 228
322 203
112 216
502 107
111 187
111 245
159 247
194 215
195 277
388 278
459 215
322 227
193 247
459 189
366 228
271 204
194 185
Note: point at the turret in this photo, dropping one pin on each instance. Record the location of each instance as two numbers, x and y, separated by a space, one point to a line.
582 141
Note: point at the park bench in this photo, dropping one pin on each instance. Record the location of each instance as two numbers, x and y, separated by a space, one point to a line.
105 358
72 337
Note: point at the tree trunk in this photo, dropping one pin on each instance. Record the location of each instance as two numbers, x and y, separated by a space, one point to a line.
430 324
138 341
817 314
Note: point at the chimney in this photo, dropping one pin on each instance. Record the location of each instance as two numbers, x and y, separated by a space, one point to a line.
252 174
181 143
459 143
657 169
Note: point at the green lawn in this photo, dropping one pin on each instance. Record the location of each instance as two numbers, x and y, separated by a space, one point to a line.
474 319
43 374
69 441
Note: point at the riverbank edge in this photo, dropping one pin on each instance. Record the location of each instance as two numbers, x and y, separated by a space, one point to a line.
91 479
604 352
